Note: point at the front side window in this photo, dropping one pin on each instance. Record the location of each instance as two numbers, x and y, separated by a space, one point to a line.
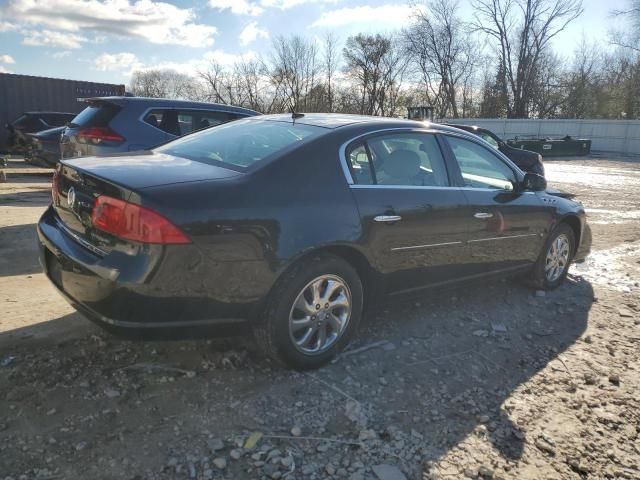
412 159
479 167
242 143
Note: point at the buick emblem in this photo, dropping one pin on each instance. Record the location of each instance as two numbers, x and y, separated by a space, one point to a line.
71 197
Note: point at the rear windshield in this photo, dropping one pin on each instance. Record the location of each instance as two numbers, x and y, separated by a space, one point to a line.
95 115
240 144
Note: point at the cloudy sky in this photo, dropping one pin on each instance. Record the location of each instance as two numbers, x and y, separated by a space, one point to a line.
104 40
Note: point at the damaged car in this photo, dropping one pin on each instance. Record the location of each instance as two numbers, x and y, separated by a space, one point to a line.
291 224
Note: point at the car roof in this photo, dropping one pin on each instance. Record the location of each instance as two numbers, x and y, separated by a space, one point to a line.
338 120
468 128
167 102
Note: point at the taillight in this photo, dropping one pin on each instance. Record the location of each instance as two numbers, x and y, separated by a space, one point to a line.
97 135
133 222
55 186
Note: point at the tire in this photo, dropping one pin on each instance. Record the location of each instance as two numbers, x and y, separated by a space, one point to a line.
284 322
539 276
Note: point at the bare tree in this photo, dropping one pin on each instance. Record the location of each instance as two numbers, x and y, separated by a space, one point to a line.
440 45
294 71
549 90
628 38
331 56
165 84
523 30
375 64
584 82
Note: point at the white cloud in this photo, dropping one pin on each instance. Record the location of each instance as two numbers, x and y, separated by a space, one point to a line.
255 8
389 15
108 62
238 7
7 27
7 59
4 70
252 32
195 65
50 38
155 21
61 54
286 4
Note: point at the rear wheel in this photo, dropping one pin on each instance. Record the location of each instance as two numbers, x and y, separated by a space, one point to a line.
553 264
312 312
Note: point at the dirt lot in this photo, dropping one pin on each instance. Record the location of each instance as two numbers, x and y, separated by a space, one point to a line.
491 381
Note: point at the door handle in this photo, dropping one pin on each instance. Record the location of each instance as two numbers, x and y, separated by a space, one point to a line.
387 218
483 215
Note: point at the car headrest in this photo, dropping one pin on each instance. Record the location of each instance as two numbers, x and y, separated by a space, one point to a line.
152 120
402 164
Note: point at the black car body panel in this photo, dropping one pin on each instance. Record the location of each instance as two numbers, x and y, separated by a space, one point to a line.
44 147
248 226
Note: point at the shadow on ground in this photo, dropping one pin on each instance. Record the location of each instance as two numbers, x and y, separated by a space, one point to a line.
19 250
443 365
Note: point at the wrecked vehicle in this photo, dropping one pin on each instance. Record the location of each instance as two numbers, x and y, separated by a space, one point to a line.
290 223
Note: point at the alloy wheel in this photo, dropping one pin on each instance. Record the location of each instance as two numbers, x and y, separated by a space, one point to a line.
320 314
557 260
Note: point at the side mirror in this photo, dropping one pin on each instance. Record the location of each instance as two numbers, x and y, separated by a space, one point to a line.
534 183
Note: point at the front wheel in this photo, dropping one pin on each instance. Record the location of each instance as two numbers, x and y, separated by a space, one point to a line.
312 312
553 264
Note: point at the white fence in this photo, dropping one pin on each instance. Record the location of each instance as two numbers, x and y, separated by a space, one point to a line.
621 136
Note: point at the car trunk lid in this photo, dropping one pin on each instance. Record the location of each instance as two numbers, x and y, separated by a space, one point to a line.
80 182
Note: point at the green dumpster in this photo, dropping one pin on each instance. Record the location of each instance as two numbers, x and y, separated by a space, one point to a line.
553 147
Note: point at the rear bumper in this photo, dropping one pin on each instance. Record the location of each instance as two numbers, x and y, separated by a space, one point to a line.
170 288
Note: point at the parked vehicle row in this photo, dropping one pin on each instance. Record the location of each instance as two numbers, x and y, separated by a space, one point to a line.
33 122
112 125
291 224
124 124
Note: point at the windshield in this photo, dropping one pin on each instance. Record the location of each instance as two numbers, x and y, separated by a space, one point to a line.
241 143
97 114
489 139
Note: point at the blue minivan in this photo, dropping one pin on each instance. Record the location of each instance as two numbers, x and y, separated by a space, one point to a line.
125 124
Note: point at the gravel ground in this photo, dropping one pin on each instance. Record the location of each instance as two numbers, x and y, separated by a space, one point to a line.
491 381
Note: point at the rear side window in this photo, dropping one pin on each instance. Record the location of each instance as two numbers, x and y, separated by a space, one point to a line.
403 159
96 115
181 122
359 164
241 144
210 119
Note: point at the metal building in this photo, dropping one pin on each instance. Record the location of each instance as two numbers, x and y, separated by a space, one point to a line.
26 93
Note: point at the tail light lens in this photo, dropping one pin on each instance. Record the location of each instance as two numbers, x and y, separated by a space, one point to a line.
133 222
98 135
55 187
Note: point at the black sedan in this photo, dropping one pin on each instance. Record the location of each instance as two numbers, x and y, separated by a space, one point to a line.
292 225
527 160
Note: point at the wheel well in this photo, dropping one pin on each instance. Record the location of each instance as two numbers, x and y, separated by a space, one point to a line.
358 261
574 223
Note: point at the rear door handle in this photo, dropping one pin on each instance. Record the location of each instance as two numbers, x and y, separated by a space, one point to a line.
387 218
483 215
